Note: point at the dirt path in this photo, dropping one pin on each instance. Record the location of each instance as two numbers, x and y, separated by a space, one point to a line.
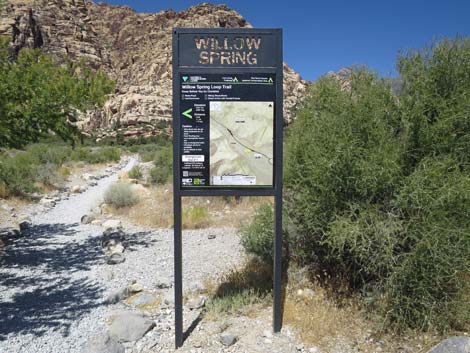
54 281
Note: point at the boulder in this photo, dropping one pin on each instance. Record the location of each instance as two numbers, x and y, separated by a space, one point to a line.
103 343
112 224
129 327
76 189
117 248
135 287
144 299
25 224
227 339
115 259
112 237
117 296
196 303
87 219
47 202
458 344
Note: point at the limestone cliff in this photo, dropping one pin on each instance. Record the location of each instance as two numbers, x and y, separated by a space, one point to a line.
133 48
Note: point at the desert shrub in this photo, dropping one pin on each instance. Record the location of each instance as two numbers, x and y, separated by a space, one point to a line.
96 155
107 154
342 153
257 237
49 153
378 186
427 287
159 175
163 169
17 174
120 195
435 100
195 217
135 172
48 175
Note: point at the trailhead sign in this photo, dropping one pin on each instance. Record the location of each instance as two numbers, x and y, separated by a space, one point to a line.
227 129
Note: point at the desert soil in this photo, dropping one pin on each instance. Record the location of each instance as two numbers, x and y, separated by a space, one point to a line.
55 283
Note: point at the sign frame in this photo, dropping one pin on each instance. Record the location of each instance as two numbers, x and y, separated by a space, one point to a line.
271 190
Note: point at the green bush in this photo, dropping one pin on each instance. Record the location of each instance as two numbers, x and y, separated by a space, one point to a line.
159 175
257 237
378 186
41 164
17 174
135 172
96 155
163 169
342 154
120 195
48 174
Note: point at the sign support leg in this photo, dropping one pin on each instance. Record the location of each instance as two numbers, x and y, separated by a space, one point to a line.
178 273
277 302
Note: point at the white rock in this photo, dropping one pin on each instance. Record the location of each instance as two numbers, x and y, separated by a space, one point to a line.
76 189
112 224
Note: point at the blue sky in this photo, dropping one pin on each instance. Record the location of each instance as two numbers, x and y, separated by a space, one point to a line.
322 36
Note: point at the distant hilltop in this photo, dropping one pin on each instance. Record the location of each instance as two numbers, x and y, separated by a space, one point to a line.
133 48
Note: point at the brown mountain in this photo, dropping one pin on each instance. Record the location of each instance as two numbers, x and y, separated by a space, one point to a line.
133 48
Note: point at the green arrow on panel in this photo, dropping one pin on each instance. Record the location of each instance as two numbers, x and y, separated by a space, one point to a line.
187 113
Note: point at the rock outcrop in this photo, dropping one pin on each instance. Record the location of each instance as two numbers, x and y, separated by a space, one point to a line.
132 48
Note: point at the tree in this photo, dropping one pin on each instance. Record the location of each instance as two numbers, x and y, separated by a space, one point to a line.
38 96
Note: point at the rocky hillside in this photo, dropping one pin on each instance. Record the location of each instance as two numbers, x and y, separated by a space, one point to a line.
133 48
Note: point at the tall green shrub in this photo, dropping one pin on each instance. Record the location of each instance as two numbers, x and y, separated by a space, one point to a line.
378 186
343 154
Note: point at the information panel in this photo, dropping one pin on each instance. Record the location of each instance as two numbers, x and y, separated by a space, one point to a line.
227 129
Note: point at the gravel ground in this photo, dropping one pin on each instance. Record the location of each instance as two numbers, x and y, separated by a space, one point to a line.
54 281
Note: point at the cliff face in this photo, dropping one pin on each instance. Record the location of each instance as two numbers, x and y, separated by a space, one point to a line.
133 48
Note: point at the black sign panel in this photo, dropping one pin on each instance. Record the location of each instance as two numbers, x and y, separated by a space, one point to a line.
227 108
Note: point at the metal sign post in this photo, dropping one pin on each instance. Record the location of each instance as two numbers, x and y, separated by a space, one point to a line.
227 129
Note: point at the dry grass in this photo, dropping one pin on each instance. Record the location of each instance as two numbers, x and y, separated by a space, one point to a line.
322 320
242 291
317 318
155 209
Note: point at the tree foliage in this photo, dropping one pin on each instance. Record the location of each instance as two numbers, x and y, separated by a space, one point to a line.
38 96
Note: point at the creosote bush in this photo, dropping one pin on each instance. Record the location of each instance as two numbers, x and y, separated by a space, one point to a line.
120 195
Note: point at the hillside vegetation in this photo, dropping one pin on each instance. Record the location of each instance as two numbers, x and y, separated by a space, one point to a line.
377 188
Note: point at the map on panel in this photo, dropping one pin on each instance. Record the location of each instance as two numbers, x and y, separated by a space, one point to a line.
241 142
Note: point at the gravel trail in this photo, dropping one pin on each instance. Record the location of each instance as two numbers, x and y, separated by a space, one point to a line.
54 281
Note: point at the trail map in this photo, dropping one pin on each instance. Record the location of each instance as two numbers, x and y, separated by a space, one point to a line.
241 143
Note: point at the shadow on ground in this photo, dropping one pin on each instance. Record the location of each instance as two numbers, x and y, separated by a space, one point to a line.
43 279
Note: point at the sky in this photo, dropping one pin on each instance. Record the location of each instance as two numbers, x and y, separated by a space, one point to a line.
326 35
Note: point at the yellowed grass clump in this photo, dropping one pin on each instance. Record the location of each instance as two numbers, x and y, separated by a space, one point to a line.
155 209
